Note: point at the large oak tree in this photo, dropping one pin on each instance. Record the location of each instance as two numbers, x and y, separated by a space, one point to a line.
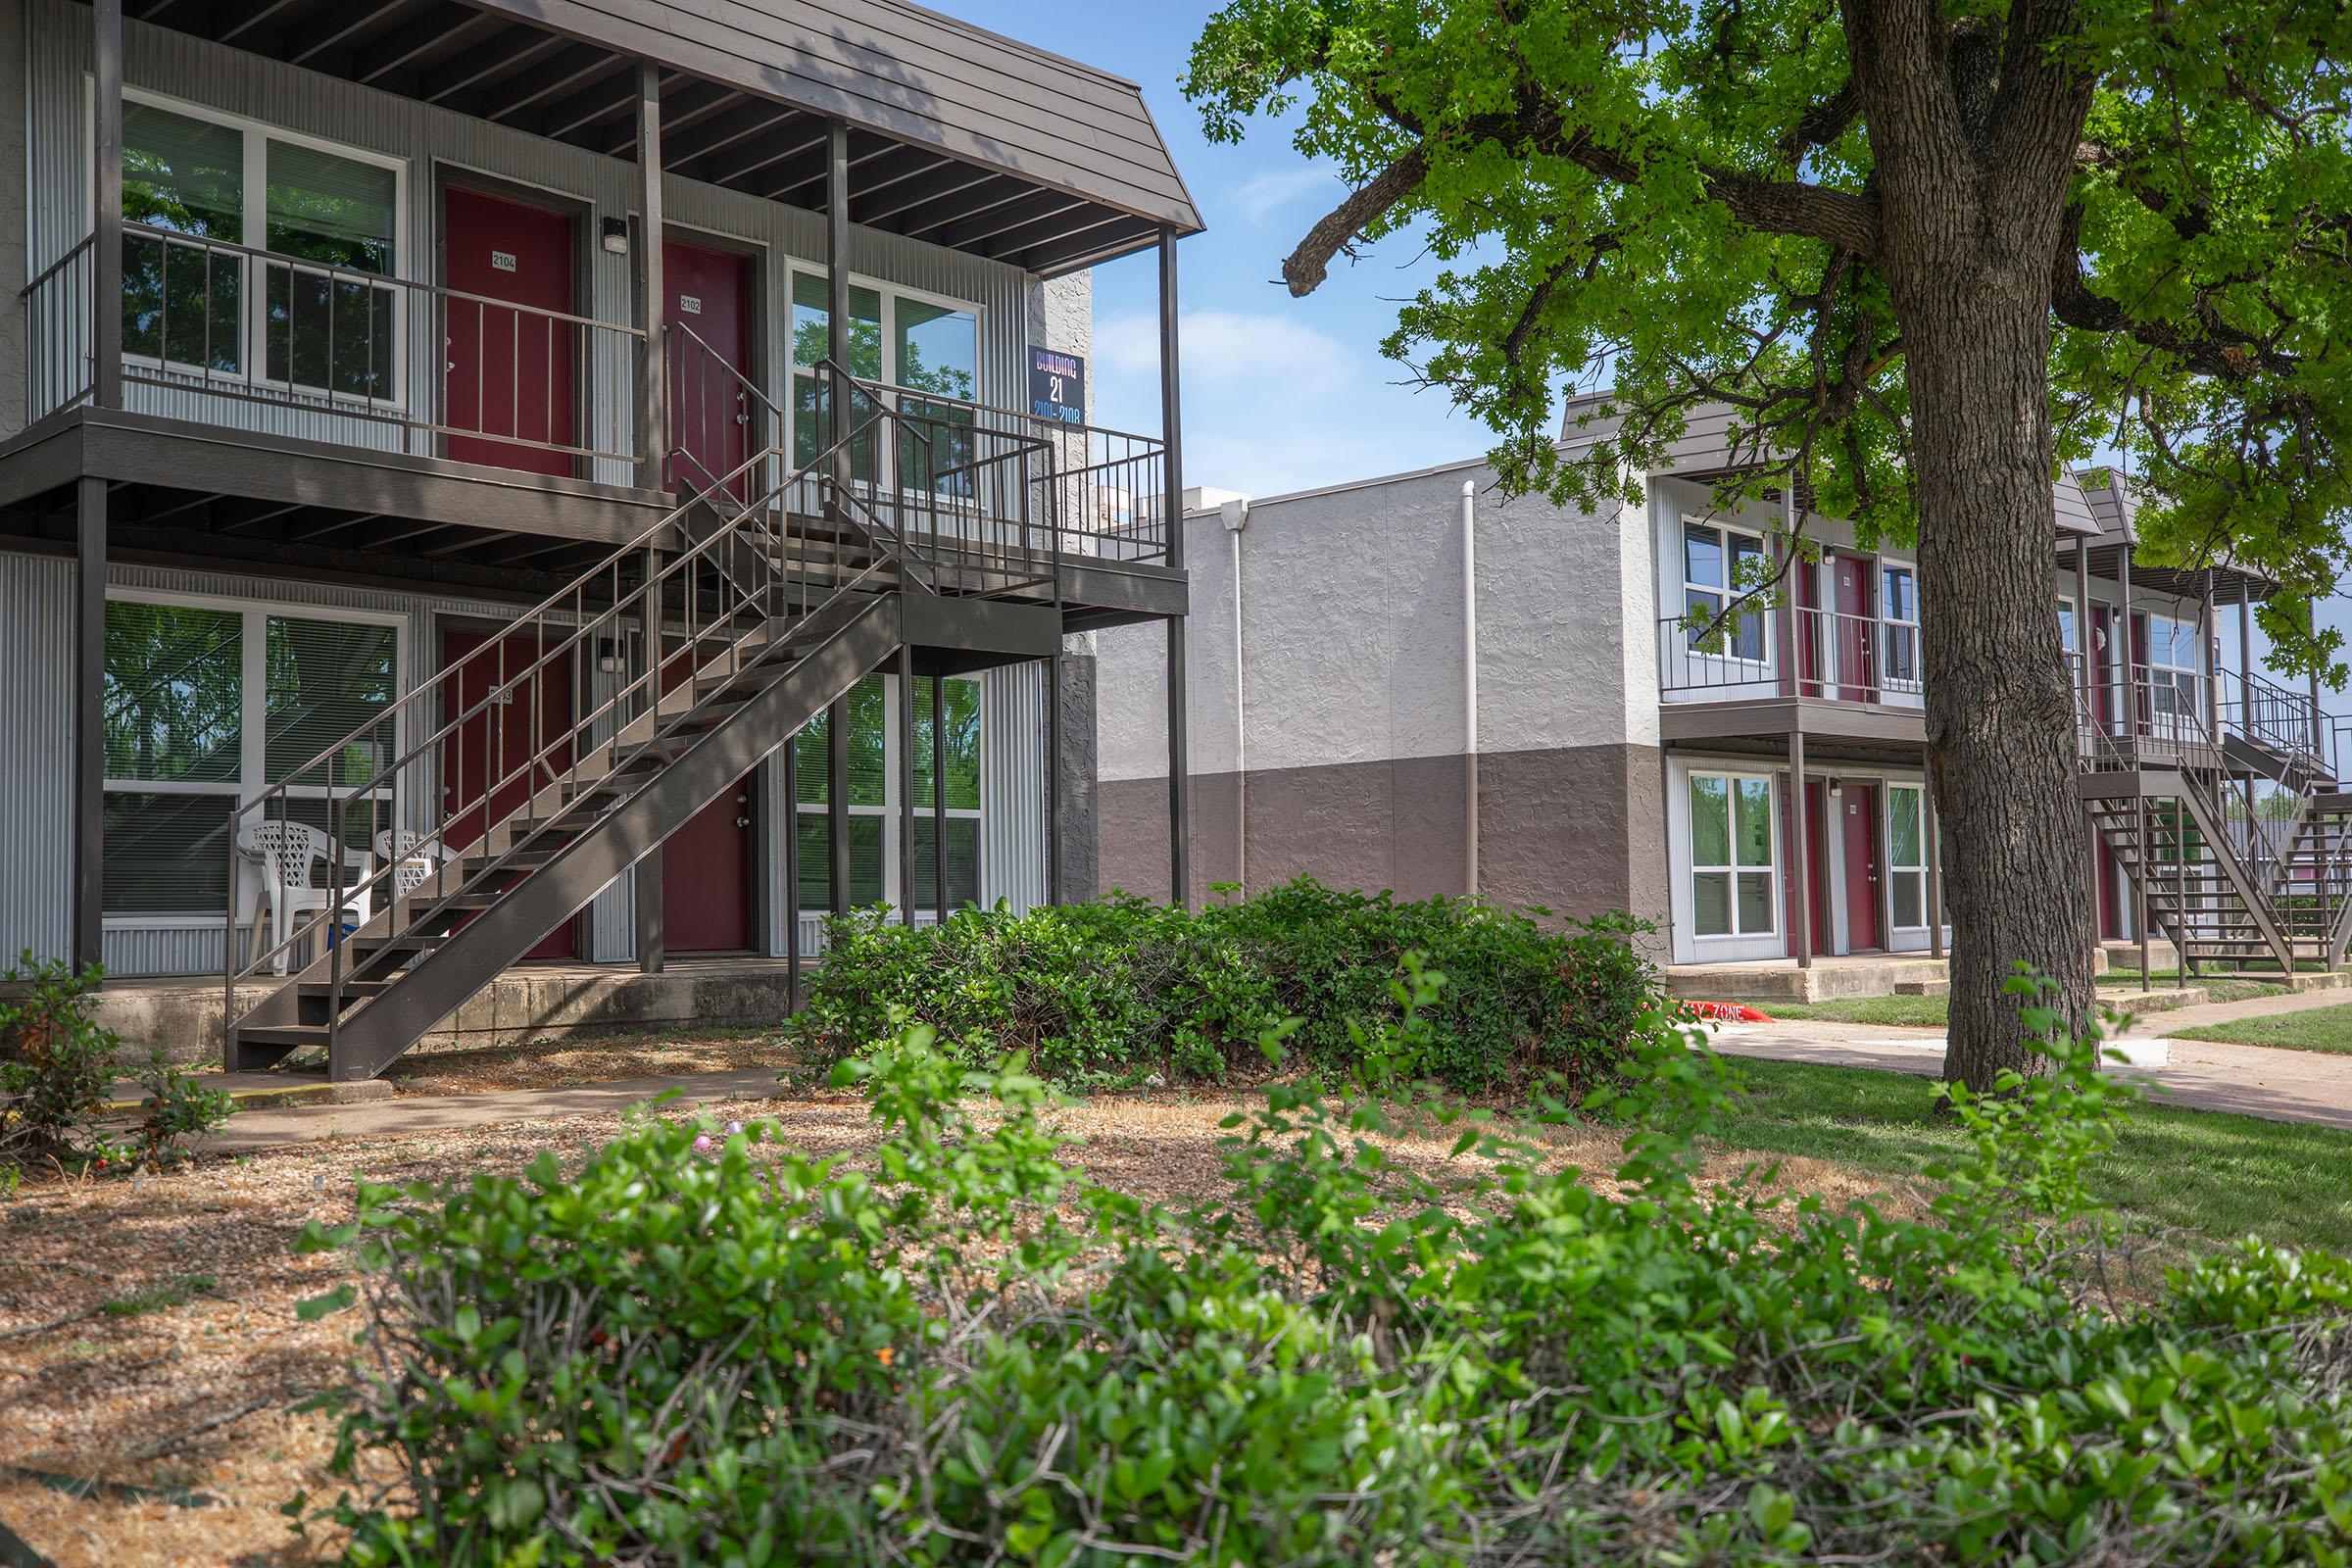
1925 251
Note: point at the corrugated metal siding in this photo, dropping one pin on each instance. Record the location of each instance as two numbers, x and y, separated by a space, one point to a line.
433 140
36 747
1013 785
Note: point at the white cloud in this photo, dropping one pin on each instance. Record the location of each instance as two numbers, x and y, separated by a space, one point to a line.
1228 348
1260 196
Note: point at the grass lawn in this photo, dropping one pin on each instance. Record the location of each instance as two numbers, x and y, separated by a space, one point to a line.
2221 987
1933 1012
2319 1029
2200 1170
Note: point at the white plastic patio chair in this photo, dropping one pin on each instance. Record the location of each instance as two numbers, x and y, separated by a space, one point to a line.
287 857
413 856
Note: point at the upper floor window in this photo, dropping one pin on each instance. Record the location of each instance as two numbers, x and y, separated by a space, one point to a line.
2172 666
1899 626
1719 564
258 253
904 340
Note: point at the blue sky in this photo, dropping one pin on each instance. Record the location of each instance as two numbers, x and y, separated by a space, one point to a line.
1279 394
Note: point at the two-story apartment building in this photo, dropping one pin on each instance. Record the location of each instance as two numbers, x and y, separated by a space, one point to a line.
1412 683
449 449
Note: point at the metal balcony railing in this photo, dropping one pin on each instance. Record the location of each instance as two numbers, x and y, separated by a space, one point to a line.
438 370
1834 657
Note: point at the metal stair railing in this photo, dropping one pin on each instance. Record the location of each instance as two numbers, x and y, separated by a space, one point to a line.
601 606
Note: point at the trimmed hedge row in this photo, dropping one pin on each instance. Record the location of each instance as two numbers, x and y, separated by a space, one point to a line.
1123 991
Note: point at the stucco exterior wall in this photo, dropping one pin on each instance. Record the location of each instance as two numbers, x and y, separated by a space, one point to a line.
1341 755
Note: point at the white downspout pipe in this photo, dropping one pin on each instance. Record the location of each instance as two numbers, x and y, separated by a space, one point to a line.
1470 881
1234 515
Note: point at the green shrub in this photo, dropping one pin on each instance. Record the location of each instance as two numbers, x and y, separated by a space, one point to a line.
1123 991
58 1065
696 1349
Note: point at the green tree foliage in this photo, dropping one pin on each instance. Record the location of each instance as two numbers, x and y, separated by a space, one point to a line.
1921 253
1683 199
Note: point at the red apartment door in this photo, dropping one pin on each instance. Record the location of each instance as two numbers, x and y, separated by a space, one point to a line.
1860 817
486 761
706 867
709 412
1850 598
510 371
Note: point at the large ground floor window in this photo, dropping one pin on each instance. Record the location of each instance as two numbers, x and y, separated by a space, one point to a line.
1731 856
877 779
207 704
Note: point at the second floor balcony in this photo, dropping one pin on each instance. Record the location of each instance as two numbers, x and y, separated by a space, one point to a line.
1745 654
283 343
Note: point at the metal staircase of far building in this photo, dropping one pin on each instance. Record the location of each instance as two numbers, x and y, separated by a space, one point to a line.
760 618
2311 890
2171 840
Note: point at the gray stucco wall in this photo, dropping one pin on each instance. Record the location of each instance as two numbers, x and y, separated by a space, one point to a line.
1340 753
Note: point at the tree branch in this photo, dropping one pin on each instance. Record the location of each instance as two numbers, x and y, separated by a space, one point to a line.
1310 263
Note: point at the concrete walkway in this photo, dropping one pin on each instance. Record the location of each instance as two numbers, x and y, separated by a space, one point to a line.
2178 1019
2298 1086
275 1126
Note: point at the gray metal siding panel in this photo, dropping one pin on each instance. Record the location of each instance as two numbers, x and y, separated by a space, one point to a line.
432 140
36 745
1012 780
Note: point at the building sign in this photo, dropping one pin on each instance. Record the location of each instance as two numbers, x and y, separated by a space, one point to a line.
502 260
1056 386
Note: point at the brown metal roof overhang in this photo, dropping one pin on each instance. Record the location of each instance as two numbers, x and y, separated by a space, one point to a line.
957 136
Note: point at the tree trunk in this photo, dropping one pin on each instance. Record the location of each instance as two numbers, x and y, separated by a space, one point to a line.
2000 716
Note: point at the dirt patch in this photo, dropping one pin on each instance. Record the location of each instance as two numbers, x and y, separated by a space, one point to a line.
568 1064
148 1339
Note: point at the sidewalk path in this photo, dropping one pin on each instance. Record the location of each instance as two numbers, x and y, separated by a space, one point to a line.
2168 1023
272 1126
2300 1086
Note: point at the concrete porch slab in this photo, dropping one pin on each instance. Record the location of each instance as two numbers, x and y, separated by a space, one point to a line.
530 1002
1781 980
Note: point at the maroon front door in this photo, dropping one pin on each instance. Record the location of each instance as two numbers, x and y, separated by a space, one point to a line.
487 766
1860 816
706 877
510 370
707 864
709 312
1850 598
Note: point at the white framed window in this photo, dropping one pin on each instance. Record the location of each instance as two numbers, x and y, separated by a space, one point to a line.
925 345
1906 855
1734 855
1898 627
258 254
1719 564
2173 667
208 703
877 779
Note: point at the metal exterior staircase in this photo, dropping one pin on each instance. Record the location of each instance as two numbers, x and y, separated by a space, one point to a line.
2169 841
748 616
2313 887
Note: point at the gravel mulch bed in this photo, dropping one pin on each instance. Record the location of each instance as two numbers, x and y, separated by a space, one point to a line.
148 1335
